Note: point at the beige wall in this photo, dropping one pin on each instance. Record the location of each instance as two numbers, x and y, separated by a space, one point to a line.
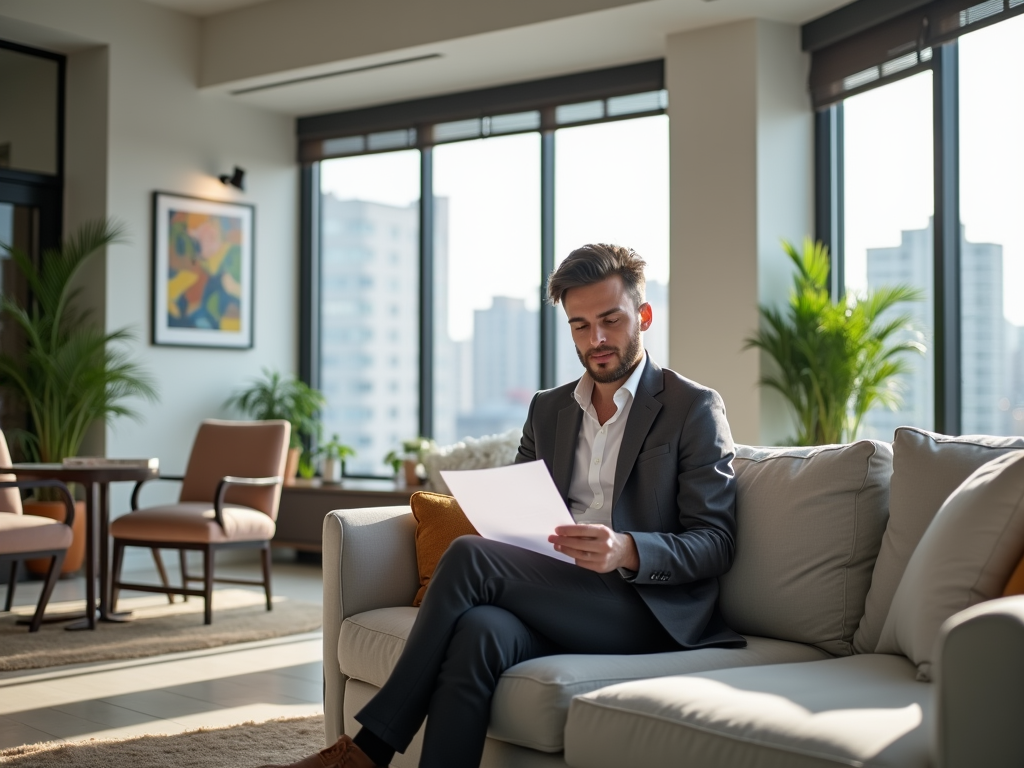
741 153
137 123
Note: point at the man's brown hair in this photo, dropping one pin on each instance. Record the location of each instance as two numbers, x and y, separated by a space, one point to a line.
595 262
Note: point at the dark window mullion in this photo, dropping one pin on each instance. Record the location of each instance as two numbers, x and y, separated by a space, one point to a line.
426 387
547 257
829 190
309 275
947 240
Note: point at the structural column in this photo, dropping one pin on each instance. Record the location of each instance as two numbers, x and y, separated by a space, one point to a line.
741 140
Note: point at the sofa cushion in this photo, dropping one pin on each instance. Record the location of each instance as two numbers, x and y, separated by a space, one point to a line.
809 524
965 557
439 521
865 710
926 468
532 698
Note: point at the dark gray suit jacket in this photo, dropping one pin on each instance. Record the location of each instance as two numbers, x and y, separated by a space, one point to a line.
675 493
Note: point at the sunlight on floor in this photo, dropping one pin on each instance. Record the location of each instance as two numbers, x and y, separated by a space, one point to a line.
171 693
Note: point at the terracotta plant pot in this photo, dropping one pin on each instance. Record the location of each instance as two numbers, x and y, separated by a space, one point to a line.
411 478
291 467
55 510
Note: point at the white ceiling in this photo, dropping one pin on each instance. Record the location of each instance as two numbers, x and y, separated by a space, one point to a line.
621 35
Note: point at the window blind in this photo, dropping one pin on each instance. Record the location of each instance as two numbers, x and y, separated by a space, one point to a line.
898 47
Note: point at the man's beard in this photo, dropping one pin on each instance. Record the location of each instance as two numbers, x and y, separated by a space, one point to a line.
627 361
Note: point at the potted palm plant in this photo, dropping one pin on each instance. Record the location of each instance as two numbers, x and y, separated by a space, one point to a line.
276 397
72 373
836 359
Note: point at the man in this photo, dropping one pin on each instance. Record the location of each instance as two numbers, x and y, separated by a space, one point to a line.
643 458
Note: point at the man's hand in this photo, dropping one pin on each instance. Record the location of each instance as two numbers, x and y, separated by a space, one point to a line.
596 547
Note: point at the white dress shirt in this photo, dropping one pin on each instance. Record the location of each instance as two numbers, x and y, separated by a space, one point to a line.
597 450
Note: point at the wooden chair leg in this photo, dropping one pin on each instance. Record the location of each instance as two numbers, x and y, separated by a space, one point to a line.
115 589
183 559
266 573
208 584
163 573
12 582
51 581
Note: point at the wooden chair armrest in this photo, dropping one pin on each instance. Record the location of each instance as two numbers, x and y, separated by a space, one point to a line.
138 487
227 481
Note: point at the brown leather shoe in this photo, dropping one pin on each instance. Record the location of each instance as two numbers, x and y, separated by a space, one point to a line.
342 754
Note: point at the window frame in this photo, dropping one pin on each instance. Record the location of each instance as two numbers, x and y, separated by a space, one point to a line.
418 118
830 222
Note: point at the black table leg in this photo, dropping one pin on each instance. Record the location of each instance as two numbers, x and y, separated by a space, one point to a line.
91 542
106 596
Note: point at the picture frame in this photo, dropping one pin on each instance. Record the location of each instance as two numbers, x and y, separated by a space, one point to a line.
203 272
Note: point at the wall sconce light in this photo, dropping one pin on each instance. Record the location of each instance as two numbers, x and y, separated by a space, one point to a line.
236 179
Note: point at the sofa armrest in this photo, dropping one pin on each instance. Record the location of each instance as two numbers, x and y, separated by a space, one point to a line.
980 686
369 561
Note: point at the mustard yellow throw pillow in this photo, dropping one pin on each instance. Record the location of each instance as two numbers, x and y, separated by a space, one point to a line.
439 521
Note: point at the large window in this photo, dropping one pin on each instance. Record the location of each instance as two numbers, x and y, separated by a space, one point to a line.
992 211
613 188
888 206
432 235
369 302
487 278
920 162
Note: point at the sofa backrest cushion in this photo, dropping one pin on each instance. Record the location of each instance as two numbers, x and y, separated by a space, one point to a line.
965 557
809 524
926 468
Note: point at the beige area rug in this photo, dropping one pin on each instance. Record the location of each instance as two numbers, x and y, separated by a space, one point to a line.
239 746
239 616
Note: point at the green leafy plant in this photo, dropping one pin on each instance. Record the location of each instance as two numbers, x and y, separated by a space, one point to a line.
276 397
411 449
835 360
307 465
72 372
336 450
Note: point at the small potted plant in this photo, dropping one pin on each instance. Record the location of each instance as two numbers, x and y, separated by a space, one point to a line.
332 462
410 458
277 397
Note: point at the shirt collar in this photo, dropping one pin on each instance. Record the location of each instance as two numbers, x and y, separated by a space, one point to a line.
585 388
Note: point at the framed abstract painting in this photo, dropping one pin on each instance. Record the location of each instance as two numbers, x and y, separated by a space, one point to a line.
202 272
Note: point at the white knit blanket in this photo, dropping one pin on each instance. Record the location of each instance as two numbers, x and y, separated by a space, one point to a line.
471 453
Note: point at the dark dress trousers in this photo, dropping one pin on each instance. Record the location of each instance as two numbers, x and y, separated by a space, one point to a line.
492 605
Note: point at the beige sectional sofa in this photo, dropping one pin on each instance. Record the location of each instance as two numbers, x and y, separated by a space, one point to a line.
864 648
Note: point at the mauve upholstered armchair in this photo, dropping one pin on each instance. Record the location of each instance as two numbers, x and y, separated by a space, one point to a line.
24 537
229 498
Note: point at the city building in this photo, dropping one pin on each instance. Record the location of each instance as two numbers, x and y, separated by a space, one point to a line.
985 376
369 285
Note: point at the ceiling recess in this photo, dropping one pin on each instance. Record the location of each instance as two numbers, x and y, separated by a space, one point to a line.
338 73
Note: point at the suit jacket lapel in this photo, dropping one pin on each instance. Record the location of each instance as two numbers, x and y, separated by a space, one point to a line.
642 414
567 433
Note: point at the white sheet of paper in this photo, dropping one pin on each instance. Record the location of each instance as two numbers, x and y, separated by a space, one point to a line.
517 504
